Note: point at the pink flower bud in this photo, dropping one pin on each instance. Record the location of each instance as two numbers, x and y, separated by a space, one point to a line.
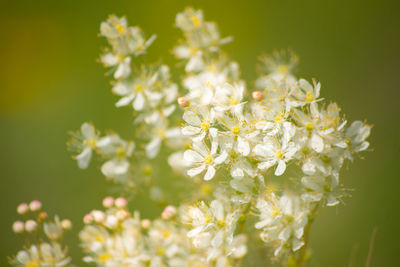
168 212
23 209
18 227
98 216
108 202
35 205
121 202
43 216
183 102
66 225
87 219
257 95
30 226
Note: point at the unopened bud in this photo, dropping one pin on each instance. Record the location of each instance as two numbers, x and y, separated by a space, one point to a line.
87 219
98 216
43 216
108 202
168 212
183 101
18 227
23 209
30 226
257 95
145 224
122 215
35 205
66 225
121 202
111 222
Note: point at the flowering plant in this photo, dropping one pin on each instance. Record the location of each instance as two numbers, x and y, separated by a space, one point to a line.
255 164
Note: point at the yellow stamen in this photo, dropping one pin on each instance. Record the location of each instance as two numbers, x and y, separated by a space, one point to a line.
208 160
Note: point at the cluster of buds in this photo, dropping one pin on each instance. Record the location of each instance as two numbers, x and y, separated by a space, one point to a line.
39 251
114 237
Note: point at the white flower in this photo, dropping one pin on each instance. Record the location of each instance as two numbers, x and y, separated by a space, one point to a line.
117 151
204 159
89 143
320 187
282 219
275 151
200 122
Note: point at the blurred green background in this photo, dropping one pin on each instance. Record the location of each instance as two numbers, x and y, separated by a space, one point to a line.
50 83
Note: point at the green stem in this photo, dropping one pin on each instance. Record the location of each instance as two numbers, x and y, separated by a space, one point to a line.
302 253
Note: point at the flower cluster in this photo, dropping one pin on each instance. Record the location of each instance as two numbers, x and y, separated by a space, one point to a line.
260 159
116 237
38 251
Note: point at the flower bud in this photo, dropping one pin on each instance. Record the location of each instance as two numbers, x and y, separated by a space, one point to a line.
111 222
18 227
257 95
121 202
145 224
66 225
35 205
168 212
43 216
122 215
30 226
98 216
87 219
23 209
183 101
108 202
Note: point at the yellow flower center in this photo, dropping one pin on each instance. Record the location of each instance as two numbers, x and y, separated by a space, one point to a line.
278 118
205 125
233 101
120 28
283 69
32 264
221 223
309 126
235 130
104 257
160 251
120 152
208 160
206 189
278 154
309 97
139 87
196 21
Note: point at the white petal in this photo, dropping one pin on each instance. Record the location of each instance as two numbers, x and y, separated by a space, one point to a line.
243 146
281 168
195 171
138 103
210 173
125 100
84 158
192 118
153 147
88 131
192 156
221 158
190 130
317 143
266 164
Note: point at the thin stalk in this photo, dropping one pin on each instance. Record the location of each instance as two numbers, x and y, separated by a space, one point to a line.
301 256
